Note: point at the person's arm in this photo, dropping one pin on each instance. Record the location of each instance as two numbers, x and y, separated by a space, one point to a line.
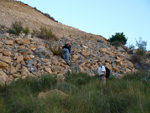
104 73
71 54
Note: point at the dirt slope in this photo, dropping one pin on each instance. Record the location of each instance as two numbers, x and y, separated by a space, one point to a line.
11 11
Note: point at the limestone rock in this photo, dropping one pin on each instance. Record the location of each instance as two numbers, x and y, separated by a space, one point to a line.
116 69
12 69
26 40
48 70
6 53
120 49
55 61
81 68
16 75
42 95
1 50
86 54
5 59
26 58
19 58
4 78
19 41
3 66
9 42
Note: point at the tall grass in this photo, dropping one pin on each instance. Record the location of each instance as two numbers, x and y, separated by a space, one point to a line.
85 95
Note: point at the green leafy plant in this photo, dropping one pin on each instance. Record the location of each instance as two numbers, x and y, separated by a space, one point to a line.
12 31
17 26
26 30
44 33
118 37
141 47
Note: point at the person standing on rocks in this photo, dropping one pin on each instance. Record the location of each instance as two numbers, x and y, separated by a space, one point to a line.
65 51
101 71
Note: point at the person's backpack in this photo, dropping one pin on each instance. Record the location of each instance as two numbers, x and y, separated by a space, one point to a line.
107 72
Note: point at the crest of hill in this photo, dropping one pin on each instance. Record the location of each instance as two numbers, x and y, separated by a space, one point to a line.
12 11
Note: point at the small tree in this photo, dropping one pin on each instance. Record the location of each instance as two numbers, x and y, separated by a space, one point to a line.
118 37
141 46
26 30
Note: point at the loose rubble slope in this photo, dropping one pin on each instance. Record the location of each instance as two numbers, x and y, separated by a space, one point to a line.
25 56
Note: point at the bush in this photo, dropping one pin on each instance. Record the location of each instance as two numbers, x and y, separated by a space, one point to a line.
26 30
130 94
118 37
17 26
12 31
77 78
35 31
67 87
141 47
135 59
148 55
44 33
116 43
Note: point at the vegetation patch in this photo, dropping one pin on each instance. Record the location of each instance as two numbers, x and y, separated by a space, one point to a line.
128 94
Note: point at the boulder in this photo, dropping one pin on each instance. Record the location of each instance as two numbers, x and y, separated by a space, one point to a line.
81 69
29 63
4 77
41 50
47 69
9 42
121 49
26 40
52 92
3 66
5 59
55 61
85 54
6 53
1 50
16 75
19 41
2 80
116 69
19 58
26 58
42 95
12 69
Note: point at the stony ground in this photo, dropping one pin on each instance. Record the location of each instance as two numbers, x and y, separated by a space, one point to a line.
22 56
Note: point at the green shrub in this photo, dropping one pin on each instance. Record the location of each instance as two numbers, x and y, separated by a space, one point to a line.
118 37
35 31
56 52
126 95
116 43
47 81
17 26
12 31
44 33
135 59
26 30
67 87
77 78
141 47
148 55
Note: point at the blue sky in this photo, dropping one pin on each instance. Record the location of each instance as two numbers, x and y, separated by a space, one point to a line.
101 17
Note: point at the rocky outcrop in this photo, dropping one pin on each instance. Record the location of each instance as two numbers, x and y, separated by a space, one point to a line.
25 56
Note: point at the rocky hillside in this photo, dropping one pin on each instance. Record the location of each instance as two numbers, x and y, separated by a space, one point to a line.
22 56
11 11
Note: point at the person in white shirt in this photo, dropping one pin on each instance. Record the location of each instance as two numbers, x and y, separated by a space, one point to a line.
101 71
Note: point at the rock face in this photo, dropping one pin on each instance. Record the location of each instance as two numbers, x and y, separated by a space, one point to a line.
22 57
